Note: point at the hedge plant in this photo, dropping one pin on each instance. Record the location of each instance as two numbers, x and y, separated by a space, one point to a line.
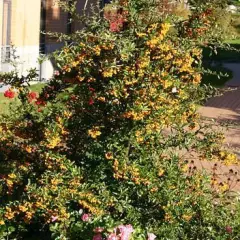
99 152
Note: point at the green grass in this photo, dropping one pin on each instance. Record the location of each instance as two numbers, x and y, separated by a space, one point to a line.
233 41
235 2
5 102
37 87
214 80
232 36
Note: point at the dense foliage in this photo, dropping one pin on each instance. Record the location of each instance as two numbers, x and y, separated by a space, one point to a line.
98 154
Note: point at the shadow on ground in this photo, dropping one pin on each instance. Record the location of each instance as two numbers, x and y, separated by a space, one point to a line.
225 107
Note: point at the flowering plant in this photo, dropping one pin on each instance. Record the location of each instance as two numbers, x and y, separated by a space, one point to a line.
9 93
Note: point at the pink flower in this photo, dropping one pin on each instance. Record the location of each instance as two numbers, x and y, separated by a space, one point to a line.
151 236
125 231
56 73
112 236
85 217
97 236
54 218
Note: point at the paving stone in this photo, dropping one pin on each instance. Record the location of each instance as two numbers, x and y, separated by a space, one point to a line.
225 111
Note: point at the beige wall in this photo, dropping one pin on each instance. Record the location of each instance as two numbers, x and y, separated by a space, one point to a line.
21 28
5 23
1 21
25 22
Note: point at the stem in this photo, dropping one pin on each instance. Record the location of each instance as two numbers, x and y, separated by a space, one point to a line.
85 5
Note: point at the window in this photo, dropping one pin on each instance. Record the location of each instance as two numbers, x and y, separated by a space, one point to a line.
5 54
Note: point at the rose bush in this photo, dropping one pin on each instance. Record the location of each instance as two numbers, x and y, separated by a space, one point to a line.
98 154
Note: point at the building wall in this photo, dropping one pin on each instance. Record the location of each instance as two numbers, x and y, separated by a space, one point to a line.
25 31
25 22
1 23
20 28
57 21
20 25
80 6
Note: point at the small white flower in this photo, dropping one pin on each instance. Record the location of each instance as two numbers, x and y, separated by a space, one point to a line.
151 236
174 90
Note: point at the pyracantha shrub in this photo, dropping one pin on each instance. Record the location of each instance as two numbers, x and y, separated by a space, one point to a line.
98 153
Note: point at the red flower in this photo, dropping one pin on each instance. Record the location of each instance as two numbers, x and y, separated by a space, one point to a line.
120 21
40 102
228 229
32 96
91 89
73 97
97 236
90 102
9 93
114 26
